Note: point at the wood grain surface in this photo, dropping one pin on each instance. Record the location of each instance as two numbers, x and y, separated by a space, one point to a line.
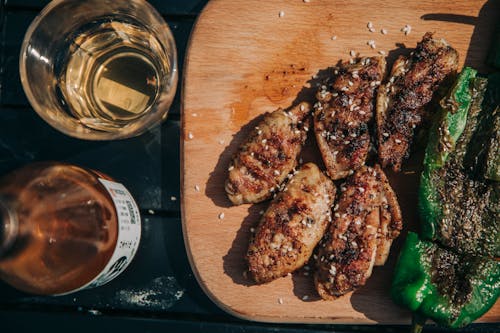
245 59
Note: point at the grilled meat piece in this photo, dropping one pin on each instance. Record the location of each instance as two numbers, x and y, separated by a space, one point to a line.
292 225
401 102
349 248
264 161
391 219
344 109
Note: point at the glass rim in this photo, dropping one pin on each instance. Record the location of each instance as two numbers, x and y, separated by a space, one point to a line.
83 132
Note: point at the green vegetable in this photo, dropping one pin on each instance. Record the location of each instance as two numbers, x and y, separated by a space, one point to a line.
457 205
493 159
492 101
451 275
437 283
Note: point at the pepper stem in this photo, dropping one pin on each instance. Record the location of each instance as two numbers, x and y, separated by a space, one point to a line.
417 323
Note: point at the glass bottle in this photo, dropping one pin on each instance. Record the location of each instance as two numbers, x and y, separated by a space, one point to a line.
64 228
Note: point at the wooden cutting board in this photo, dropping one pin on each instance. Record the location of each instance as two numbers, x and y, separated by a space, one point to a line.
247 57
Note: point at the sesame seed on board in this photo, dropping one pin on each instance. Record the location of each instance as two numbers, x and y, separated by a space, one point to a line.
281 13
406 29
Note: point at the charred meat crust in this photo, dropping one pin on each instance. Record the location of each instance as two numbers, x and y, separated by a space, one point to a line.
401 102
347 251
349 248
342 114
391 219
292 226
263 162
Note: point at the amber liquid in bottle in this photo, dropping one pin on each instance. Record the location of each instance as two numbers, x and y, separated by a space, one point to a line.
66 231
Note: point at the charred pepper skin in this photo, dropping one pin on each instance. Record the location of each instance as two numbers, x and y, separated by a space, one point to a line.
429 203
451 274
456 202
492 101
450 288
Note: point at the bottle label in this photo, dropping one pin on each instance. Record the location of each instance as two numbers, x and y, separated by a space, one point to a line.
129 234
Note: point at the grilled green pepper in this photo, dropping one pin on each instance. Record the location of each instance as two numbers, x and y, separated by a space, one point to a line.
450 288
458 206
492 101
451 275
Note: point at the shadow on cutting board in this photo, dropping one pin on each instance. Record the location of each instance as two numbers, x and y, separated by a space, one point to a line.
485 23
234 261
215 184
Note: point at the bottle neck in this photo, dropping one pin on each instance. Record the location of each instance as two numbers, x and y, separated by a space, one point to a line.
8 226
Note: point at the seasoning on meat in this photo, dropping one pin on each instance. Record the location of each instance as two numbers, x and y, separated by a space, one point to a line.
401 102
343 113
292 226
264 161
348 251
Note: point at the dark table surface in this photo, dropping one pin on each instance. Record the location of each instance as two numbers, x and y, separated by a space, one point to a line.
158 292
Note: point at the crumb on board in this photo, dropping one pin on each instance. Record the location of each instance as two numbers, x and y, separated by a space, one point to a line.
190 136
406 29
